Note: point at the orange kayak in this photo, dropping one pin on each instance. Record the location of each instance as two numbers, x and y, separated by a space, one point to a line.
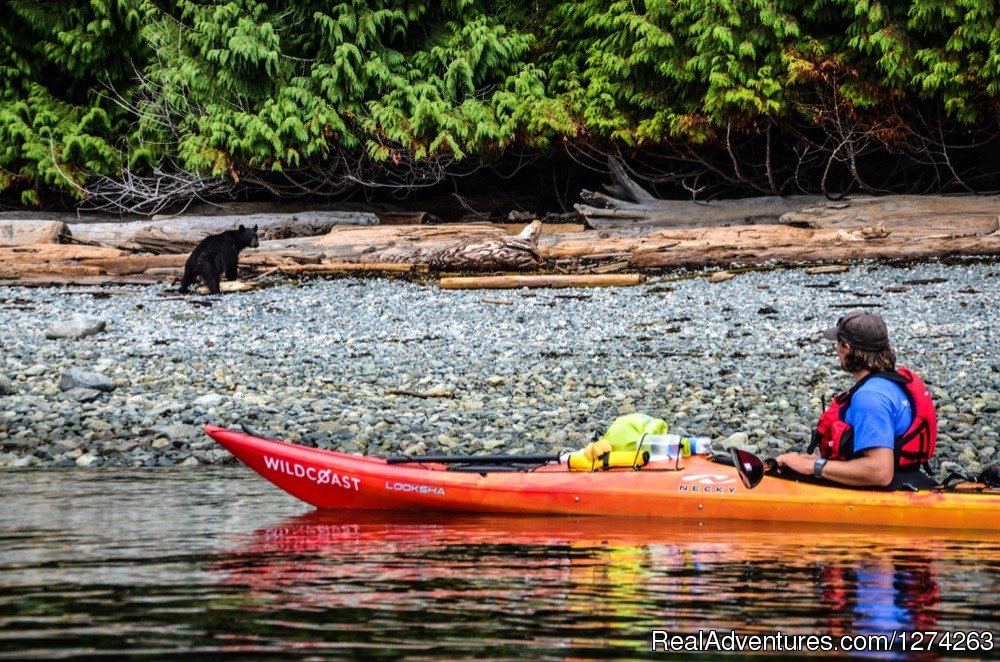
693 488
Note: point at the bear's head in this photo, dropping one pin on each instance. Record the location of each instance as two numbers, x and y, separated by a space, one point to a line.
248 237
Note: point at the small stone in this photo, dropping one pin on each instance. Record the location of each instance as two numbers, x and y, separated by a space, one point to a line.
418 448
37 370
99 425
190 462
720 276
735 440
216 456
87 460
949 467
76 378
5 386
166 407
180 432
448 441
160 443
208 400
76 327
81 394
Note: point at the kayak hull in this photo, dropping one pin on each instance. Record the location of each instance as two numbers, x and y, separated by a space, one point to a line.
696 489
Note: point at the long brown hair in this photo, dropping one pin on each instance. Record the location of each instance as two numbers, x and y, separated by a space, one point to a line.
859 359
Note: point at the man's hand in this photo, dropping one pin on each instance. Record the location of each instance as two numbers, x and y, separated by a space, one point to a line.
800 463
874 468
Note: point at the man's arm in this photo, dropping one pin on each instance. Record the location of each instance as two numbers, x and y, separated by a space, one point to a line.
875 467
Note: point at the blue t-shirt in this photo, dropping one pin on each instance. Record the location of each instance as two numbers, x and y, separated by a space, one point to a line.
879 412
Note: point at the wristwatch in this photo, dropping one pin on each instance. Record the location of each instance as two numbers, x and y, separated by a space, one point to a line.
818 467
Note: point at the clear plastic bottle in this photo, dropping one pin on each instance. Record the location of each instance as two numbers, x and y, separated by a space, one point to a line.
663 446
669 446
701 445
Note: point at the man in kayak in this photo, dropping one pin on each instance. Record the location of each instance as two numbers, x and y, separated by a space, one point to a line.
880 432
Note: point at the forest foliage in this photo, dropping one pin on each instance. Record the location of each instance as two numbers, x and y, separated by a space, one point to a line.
107 98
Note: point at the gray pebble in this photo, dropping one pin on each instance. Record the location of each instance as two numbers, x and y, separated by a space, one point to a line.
77 378
80 394
75 328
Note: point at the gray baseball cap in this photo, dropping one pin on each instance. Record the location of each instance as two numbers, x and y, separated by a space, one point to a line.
861 330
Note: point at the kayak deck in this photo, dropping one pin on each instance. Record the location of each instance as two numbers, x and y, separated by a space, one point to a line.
694 488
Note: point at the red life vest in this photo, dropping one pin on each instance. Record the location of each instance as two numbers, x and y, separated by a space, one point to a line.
914 447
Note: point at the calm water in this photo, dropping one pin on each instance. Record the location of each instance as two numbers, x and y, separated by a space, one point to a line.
217 563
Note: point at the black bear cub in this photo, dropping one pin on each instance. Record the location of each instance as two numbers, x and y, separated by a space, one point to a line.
218 255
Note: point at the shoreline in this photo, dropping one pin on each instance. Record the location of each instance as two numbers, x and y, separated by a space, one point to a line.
381 366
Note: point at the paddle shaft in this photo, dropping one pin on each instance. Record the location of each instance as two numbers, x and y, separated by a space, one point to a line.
473 459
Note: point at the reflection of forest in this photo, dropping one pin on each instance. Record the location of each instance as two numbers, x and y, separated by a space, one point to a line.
625 577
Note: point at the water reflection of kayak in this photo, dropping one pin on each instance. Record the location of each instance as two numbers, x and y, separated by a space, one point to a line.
693 488
667 573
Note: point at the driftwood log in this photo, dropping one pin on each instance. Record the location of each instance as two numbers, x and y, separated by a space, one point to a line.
26 233
762 243
926 215
629 206
505 253
182 234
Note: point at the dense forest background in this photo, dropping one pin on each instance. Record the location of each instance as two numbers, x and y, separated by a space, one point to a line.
137 105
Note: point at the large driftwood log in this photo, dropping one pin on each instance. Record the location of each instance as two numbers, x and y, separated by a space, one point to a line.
326 268
632 207
762 243
410 244
60 262
25 233
387 213
926 215
517 253
182 233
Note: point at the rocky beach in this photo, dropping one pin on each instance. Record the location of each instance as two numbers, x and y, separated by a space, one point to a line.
128 376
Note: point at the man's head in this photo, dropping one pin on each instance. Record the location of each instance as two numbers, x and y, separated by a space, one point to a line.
862 343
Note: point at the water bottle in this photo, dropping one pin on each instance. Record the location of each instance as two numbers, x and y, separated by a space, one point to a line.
701 445
664 446
669 446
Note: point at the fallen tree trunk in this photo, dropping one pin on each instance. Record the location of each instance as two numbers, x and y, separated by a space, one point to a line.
182 233
933 215
762 243
25 233
632 207
518 281
135 264
409 244
55 280
337 268
517 253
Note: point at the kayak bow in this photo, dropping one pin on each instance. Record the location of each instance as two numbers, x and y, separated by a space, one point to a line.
694 488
